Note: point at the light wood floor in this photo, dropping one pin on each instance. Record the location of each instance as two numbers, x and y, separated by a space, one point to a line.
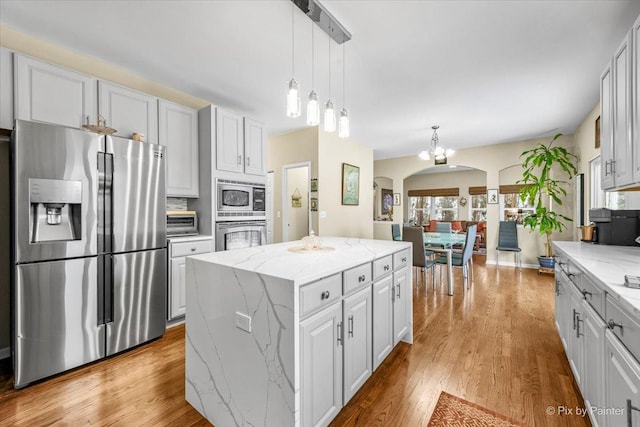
495 346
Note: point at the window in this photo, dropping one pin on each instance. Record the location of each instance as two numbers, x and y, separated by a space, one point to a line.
600 198
419 210
478 207
445 208
512 208
422 209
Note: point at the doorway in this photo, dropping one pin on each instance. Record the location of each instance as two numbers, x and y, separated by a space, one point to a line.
296 215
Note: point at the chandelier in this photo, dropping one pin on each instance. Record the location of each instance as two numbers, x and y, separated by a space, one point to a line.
434 150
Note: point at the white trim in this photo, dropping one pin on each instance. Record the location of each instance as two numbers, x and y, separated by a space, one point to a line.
5 353
512 264
175 322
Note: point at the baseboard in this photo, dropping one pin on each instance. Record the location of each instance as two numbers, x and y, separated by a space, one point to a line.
5 353
175 322
511 264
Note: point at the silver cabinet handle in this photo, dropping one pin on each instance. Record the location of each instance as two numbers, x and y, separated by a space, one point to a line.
585 293
398 290
351 326
239 160
612 325
578 320
574 318
248 161
362 278
386 267
339 333
393 293
193 249
404 259
613 166
557 287
325 295
630 409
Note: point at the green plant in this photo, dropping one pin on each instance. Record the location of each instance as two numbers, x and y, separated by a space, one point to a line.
539 186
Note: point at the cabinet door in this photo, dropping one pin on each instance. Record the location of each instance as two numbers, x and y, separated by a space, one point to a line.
635 125
382 320
177 289
254 150
6 88
179 133
576 351
622 151
51 94
606 129
593 356
401 287
321 366
128 111
622 383
561 307
357 341
229 149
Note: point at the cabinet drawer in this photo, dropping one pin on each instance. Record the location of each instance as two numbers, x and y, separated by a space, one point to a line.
400 259
319 294
593 294
628 330
382 266
191 248
356 277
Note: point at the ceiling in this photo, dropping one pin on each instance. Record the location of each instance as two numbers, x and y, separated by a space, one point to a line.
486 71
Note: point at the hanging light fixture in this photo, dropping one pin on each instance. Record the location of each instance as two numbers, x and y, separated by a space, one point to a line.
293 96
329 111
343 122
437 151
313 108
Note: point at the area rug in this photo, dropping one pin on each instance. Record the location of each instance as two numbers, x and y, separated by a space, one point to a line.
453 411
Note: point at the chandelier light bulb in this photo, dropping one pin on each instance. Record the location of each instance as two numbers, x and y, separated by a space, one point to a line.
449 152
293 99
313 109
343 123
329 117
424 155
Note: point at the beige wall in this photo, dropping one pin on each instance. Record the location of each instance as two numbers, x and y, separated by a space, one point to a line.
349 221
462 179
383 182
291 148
491 159
298 217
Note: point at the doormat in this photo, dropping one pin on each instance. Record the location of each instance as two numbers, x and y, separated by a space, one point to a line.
453 411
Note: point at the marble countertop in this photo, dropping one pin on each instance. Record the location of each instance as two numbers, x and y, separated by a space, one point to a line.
608 265
276 260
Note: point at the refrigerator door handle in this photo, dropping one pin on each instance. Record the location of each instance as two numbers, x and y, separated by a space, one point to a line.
100 295
101 189
108 202
108 289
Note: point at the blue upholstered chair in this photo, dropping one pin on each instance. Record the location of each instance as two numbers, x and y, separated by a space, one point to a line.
395 232
508 241
422 258
463 260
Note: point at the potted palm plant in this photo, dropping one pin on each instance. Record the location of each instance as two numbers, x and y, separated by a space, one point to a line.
542 190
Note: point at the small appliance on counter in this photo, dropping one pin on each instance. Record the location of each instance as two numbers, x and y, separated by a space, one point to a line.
182 223
615 227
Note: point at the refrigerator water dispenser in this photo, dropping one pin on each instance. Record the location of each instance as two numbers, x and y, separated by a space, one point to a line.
56 207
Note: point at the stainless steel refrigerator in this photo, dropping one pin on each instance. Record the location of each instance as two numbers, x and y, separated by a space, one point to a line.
89 247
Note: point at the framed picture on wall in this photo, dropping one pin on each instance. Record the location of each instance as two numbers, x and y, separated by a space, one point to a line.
350 185
492 196
314 204
314 184
396 199
386 200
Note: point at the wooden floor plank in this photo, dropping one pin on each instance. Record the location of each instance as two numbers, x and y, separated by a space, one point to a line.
495 345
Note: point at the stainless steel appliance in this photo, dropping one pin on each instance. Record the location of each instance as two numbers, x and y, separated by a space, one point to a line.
615 227
89 255
236 235
240 201
182 223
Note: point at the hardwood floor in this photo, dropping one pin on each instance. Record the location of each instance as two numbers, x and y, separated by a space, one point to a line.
495 346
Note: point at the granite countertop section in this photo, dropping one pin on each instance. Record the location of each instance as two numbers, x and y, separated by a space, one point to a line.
178 239
277 261
608 265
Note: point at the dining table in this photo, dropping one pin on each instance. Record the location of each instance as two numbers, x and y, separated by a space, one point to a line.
443 243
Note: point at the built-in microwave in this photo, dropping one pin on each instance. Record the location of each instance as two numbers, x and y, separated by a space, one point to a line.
238 200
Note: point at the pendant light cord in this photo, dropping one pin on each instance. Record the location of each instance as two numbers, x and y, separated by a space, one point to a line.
313 66
329 38
293 30
344 76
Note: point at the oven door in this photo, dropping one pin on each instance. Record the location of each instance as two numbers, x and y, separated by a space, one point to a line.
237 235
235 198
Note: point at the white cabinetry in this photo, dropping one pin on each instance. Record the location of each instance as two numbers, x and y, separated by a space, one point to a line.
179 133
382 319
128 111
6 88
239 149
179 249
401 286
593 328
606 128
622 379
51 94
357 341
575 340
635 107
621 167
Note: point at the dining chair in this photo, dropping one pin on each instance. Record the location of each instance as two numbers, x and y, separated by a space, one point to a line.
422 258
395 232
463 260
443 227
508 241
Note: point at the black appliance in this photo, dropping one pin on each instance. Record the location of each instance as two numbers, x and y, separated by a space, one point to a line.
615 227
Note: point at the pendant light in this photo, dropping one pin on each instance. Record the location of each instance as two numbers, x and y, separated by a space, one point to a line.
313 108
293 96
437 151
329 112
343 123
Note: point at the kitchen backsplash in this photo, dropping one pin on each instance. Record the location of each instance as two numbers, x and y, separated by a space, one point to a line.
176 203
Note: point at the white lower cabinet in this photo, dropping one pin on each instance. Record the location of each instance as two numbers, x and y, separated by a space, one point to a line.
382 320
401 289
593 362
321 366
622 384
576 335
179 249
357 341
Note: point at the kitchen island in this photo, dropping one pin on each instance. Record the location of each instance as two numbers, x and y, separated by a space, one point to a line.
281 336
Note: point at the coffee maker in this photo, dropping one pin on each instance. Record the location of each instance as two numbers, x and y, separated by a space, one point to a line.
615 227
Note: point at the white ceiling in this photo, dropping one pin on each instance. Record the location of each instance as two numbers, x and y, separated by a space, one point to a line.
485 71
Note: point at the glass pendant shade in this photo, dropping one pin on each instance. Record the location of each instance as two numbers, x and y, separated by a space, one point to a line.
329 117
424 155
313 109
449 152
293 99
437 151
343 123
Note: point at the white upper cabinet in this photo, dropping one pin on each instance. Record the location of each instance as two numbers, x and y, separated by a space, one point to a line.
635 108
229 150
52 94
6 88
128 111
606 134
622 164
254 162
179 133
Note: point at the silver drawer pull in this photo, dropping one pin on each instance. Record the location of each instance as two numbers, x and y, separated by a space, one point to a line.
362 278
339 333
386 267
351 326
630 409
193 249
585 293
325 295
404 259
612 325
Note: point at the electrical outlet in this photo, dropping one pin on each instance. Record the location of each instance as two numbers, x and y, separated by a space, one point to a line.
323 214
278 214
243 321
